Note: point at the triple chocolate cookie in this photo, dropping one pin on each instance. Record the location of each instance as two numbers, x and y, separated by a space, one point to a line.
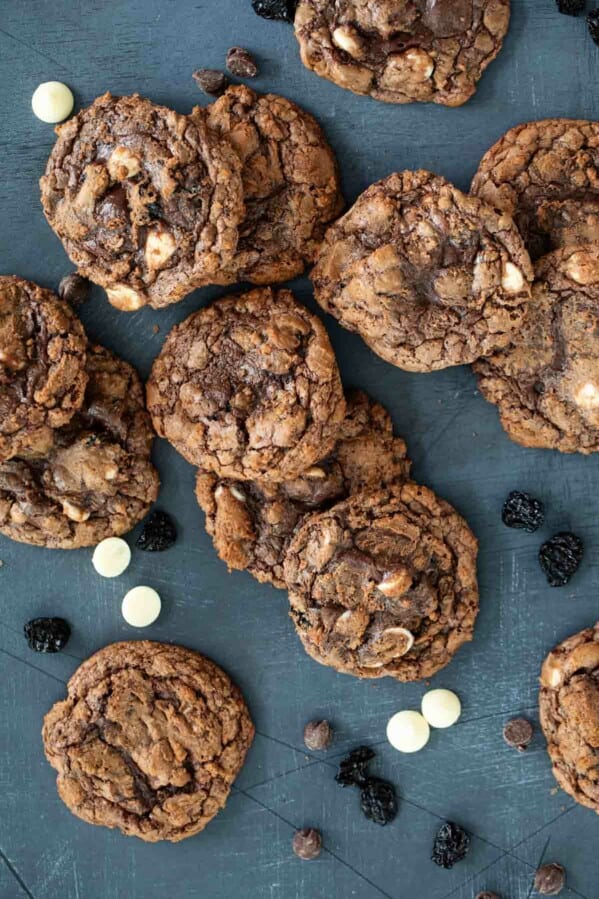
146 201
546 176
149 739
569 707
251 523
546 383
428 276
249 388
290 184
384 584
96 479
42 366
401 52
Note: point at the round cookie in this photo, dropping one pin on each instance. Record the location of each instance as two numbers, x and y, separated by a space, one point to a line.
290 181
149 740
248 388
402 52
428 276
42 366
546 176
146 201
569 708
546 384
384 584
97 479
251 523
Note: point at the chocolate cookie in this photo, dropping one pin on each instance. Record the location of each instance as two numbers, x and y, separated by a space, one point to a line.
569 707
384 584
248 388
146 201
251 523
546 384
428 276
149 740
546 176
96 480
42 366
401 52
290 181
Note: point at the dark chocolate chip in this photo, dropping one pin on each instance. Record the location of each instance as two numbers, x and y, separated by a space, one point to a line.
241 63
74 289
318 735
550 879
211 81
307 843
518 733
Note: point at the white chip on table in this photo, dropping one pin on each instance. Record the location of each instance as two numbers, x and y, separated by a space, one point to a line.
441 708
141 606
408 731
52 102
111 557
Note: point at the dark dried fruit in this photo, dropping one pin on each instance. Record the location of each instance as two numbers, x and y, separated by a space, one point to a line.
570 7
593 23
159 533
74 289
307 843
353 770
451 845
318 735
47 634
550 880
520 510
211 81
241 63
560 557
275 9
518 733
378 801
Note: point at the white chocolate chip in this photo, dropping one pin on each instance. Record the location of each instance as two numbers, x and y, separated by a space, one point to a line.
401 636
123 164
75 513
408 731
587 396
125 298
582 268
395 583
512 279
111 557
441 708
348 39
52 102
420 63
316 472
160 246
238 494
141 606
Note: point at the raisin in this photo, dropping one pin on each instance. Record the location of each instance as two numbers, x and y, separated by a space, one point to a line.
593 23
318 735
353 769
47 634
241 63
275 9
307 843
159 533
378 801
570 7
74 289
560 557
550 879
451 845
521 510
210 81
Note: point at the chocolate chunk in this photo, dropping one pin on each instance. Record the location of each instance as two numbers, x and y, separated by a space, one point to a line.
550 879
74 289
518 733
318 735
241 63
211 81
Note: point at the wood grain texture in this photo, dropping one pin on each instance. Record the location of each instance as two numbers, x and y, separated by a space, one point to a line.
548 68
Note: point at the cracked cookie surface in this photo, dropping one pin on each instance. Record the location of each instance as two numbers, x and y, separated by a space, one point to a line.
145 201
251 522
149 740
42 366
569 709
428 276
384 584
290 182
402 52
249 388
546 384
96 480
545 175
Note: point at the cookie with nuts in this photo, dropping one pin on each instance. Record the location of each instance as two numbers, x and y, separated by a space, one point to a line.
428 276
546 383
251 522
384 584
96 479
402 52
146 202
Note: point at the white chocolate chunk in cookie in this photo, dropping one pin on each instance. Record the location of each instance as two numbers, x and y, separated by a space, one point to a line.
123 164
160 246
125 298
512 279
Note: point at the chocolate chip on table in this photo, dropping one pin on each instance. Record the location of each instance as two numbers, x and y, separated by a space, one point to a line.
307 843
593 23
275 9
518 733
451 845
211 81
47 634
159 533
318 735
550 879
74 289
570 7
378 801
521 510
560 557
353 769
241 63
